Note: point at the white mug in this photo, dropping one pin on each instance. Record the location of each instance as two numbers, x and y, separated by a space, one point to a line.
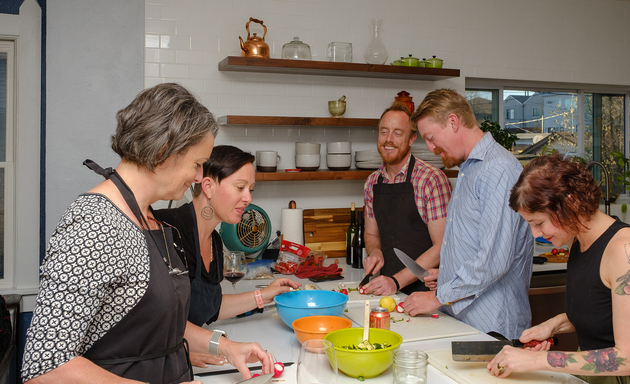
267 161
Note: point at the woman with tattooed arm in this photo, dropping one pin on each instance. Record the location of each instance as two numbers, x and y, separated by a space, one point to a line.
560 200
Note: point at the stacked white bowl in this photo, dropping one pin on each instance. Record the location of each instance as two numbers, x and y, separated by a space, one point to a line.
307 157
339 155
420 150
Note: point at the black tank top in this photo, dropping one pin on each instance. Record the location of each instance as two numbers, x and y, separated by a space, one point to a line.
588 301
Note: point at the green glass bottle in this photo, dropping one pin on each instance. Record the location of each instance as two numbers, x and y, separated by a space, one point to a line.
352 229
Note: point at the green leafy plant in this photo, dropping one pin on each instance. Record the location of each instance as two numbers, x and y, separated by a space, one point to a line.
624 163
500 135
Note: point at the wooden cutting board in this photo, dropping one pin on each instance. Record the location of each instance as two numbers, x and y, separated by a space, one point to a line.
477 373
415 328
325 230
354 296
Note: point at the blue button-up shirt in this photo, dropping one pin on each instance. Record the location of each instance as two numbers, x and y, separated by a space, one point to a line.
486 255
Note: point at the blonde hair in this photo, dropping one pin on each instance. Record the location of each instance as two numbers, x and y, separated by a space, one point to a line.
440 103
400 107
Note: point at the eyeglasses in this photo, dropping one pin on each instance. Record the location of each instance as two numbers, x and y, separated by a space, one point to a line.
167 259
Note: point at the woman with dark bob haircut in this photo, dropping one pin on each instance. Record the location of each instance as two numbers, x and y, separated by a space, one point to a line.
222 196
114 296
560 200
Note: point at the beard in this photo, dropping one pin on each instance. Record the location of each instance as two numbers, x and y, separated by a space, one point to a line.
393 158
448 161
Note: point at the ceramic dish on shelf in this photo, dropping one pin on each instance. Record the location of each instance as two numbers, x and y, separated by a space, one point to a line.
292 170
368 164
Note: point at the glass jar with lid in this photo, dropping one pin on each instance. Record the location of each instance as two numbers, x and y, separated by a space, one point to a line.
296 50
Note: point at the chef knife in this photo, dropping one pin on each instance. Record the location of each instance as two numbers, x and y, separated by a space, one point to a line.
262 379
234 370
486 350
365 280
411 264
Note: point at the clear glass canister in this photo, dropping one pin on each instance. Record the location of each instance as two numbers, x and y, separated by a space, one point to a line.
410 366
339 52
296 50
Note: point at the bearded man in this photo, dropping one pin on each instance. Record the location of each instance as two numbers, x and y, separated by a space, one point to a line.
404 207
486 256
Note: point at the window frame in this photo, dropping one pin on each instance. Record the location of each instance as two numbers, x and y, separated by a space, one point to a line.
8 45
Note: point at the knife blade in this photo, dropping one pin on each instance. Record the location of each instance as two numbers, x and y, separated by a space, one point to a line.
486 350
262 379
411 264
234 370
365 280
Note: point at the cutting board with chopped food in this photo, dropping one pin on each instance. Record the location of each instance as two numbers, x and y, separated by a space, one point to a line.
477 373
353 294
415 328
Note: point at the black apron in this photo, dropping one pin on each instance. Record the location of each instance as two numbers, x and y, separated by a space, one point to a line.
148 343
400 225
205 298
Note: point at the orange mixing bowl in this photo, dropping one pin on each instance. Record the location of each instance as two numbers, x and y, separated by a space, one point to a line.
316 327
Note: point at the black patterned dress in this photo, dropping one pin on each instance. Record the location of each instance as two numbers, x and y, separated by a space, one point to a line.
96 272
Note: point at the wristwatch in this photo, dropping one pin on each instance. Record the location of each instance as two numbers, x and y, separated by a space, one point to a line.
213 346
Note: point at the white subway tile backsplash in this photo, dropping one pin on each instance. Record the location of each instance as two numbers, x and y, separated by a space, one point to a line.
189 57
175 13
175 70
174 42
152 41
159 27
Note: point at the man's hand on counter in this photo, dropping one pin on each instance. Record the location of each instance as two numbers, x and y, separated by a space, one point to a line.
380 286
421 302
374 262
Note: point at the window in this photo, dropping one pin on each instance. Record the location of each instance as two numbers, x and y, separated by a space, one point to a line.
7 68
604 132
485 104
536 112
509 114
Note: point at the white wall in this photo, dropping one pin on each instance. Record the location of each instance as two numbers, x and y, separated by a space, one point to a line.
94 67
580 41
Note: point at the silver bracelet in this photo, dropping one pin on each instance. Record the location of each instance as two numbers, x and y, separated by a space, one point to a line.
213 345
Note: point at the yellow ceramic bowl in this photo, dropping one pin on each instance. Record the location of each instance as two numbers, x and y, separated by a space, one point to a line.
316 327
337 108
368 364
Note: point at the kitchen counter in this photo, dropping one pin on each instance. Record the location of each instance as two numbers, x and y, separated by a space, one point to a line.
268 329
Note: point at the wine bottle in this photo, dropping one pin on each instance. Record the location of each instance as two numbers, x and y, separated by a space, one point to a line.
352 229
358 244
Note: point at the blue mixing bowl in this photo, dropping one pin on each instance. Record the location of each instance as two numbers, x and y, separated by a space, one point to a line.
297 304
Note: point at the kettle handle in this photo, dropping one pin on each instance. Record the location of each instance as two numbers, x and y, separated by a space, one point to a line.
255 21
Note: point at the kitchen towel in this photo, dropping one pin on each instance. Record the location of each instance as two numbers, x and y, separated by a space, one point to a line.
292 225
305 271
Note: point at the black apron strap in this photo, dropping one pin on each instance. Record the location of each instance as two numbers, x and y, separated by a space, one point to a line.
105 172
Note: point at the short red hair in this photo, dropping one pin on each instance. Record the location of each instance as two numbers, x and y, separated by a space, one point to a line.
560 187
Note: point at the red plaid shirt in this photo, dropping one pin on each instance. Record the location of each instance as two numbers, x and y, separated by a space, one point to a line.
431 189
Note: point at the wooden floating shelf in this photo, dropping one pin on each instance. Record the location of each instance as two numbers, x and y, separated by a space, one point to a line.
296 120
325 174
328 68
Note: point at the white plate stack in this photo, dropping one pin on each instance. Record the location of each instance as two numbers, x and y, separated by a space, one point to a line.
339 155
420 151
368 159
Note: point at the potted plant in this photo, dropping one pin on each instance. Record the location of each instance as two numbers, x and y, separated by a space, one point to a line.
500 135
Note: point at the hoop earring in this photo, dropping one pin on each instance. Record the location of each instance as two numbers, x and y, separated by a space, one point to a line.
207 212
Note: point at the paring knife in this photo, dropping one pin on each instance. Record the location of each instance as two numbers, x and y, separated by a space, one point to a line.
411 264
262 379
486 350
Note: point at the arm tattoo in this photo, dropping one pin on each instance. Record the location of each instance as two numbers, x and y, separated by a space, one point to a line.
624 281
602 360
560 359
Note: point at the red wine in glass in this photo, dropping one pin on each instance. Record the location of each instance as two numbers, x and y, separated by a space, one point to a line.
234 277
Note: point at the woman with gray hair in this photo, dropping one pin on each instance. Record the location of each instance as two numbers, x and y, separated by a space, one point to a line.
114 293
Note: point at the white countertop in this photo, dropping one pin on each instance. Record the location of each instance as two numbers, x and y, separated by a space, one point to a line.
268 329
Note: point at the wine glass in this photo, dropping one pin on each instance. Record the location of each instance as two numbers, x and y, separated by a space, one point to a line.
234 267
317 363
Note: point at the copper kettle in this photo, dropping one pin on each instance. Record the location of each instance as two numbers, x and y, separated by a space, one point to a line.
254 46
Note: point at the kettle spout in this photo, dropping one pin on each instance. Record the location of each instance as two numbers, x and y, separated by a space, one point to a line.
243 48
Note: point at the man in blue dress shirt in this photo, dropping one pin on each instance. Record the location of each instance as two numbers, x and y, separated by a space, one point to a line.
486 255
